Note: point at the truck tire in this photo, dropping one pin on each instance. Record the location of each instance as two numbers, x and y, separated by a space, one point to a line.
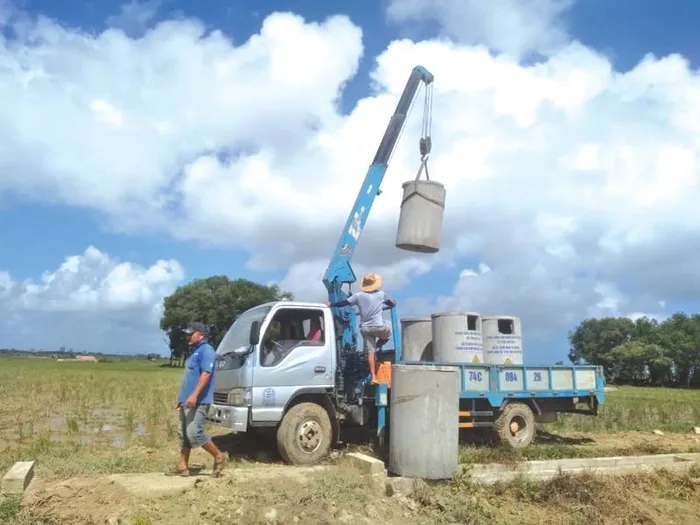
304 435
515 426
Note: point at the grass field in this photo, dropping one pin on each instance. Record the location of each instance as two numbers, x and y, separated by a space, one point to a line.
80 419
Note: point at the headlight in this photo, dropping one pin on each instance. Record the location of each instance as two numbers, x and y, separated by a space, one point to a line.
239 396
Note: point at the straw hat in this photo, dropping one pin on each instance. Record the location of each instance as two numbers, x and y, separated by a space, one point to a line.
371 282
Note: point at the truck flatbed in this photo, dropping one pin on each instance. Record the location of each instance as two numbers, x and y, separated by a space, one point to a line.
491 395
496 383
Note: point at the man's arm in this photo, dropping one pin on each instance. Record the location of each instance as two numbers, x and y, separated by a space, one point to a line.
344 302
390 302
203 380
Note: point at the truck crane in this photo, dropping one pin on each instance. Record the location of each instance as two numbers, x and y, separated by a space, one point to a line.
293 368
352 376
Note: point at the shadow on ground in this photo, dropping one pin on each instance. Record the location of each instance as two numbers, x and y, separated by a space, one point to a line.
545 438
260 445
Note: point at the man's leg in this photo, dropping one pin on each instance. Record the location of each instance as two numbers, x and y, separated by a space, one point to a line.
372 361
368 344
185 446
196 436
383 336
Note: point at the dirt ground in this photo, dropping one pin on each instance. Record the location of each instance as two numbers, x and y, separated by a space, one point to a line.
630 442
339 495
256 489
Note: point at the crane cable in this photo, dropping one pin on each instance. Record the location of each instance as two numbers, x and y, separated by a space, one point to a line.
425 144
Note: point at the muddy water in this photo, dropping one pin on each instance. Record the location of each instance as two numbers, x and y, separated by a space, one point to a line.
104 426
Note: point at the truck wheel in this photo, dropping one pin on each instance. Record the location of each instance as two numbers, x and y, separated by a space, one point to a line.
305 434
515 426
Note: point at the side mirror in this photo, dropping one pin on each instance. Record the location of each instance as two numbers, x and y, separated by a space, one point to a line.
254 337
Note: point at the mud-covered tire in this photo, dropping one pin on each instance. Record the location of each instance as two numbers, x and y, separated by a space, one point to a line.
515 426
304 436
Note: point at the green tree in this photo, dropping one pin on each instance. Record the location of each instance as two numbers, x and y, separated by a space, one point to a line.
638 361
215 301
680 335
593 339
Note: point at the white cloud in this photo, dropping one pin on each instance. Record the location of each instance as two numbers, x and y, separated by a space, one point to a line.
90 299
515 27
573 184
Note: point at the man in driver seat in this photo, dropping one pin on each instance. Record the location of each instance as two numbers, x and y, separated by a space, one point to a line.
278 341
370 302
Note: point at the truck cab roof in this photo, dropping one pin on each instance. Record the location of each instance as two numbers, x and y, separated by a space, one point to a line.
287 302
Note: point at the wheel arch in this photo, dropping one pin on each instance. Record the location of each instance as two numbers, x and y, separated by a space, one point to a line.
531 403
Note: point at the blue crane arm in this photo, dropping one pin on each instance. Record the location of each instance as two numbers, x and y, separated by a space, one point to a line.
339 270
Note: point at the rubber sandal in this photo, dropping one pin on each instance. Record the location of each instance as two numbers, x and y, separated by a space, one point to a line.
178 472
219 465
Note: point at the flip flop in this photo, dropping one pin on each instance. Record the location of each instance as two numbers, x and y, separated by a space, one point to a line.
219 465
178 472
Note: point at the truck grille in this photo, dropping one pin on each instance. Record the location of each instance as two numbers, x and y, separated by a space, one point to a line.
221 398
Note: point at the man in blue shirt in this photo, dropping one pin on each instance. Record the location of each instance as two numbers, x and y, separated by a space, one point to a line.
193 400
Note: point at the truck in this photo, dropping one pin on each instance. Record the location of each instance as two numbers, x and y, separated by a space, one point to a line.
294 369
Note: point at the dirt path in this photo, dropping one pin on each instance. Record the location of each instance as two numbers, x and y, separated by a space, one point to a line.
265 493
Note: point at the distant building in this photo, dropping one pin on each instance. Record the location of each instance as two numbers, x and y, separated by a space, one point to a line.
90 358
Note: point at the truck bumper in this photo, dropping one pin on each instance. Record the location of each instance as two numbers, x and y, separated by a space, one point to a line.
233 418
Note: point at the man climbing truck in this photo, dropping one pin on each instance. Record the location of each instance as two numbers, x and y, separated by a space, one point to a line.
296 367
370 301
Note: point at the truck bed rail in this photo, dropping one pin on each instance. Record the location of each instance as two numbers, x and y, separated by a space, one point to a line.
496 383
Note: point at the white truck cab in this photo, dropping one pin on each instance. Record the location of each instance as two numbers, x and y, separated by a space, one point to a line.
276 368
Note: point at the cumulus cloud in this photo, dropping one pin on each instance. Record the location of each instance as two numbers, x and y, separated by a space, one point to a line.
90 299
516 27
573 183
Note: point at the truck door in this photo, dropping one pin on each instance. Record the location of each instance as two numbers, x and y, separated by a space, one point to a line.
296 351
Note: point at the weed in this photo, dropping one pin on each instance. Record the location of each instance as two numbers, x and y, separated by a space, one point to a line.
10 507
141 519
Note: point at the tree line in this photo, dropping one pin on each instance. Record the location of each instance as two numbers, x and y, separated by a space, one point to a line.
641 351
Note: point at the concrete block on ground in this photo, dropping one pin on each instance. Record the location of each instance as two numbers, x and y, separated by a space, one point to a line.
18 477
367 464
403 486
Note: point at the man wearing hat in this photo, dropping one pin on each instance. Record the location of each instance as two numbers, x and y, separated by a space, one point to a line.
370 302
193 400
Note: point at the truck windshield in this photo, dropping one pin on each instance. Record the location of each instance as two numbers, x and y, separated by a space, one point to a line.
238 336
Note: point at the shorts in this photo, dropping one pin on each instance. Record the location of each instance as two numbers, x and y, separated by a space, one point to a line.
371 334
191 428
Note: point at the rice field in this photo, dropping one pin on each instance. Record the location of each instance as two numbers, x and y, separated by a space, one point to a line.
117 416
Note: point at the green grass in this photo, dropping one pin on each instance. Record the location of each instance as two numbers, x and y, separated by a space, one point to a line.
75 417
629 409
78 416
88 418
641 409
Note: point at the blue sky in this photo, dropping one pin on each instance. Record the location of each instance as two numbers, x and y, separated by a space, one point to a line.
40 232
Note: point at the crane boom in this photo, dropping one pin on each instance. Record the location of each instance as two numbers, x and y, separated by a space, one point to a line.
339 270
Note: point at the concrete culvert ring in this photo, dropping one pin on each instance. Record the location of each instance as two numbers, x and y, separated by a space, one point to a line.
515 426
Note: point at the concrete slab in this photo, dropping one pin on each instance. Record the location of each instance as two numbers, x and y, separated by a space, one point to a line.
366 464
16 480
543 470
154 484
